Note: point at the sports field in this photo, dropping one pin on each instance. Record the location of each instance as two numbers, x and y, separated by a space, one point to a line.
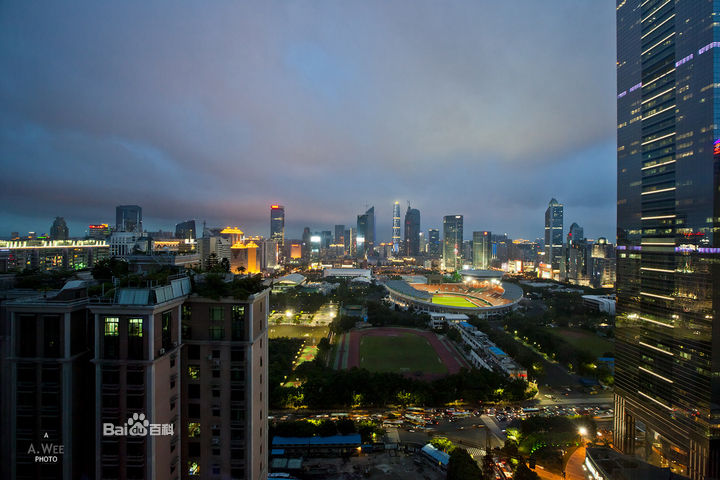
401 353
453 301
584 340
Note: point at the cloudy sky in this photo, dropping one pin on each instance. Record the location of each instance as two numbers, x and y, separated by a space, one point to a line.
216 110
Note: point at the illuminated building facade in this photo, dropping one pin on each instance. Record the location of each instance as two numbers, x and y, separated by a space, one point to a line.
244 258
396 228
554 234
666 368
412 232
51 254
277 223
482 250
128 218
452 242
99 231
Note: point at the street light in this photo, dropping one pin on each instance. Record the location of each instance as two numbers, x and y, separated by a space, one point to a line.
582 431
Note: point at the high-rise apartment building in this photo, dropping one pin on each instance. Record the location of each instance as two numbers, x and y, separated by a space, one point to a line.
396 229
277 223
59 229
452 242
150 383
482 250
554 234
412 232
128 218
666 373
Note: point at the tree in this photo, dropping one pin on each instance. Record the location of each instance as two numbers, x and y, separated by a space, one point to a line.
225 264
524 473
462 466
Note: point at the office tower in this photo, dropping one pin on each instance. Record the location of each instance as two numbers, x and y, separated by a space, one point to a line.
482 250
186 230
277 223
306 243
326 238
99 232
434 243
225 392
59 229
412 232
396 229
666 374
554 234
128 218
339 235
366 232
452 242
576 266
348 240
423 243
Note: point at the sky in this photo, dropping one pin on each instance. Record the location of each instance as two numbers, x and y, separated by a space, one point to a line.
215 111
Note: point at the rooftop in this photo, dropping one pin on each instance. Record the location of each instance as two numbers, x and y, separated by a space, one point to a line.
435 454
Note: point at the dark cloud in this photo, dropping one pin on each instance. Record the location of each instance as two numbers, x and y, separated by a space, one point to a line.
487 109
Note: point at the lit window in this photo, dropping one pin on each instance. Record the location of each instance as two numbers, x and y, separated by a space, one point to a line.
194 371
193 429
193 468
111 326
135 327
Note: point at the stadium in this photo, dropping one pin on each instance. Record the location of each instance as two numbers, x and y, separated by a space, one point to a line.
481 293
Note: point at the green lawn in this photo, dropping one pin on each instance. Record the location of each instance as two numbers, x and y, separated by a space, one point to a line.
405 353
585 340
452 301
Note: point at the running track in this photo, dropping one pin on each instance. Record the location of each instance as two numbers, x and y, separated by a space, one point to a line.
447 353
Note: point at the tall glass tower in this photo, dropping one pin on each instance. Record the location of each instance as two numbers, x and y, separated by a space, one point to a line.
554 234
277 223
667 374
412 232
396 228
452 241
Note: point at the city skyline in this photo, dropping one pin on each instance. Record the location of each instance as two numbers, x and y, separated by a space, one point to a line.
220 140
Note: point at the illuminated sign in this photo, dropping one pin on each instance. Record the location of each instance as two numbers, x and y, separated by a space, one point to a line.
275 206
315 239
716 147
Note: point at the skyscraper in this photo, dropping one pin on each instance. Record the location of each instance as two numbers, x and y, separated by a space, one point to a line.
396 228
128 218
366 232
452 241
412 232
482 250
59 229
339 234
434 243
554 234
666 374
277 223
187 230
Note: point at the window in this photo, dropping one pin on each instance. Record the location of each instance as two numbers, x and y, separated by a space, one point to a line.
216 392
238 322
217 332
216 373
216 314
193 429
216 469
167 329
111 326
193 391
194 352
216 354
193 449
216 410
194 410
135 327
194 371
186 312
193 468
